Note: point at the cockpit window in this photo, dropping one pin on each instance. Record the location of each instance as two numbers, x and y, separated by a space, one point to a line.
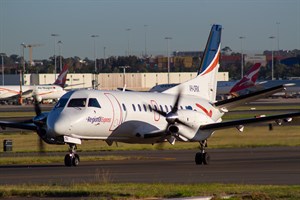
93 102
77 102
61 103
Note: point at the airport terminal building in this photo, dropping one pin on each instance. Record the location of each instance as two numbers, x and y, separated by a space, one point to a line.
108 81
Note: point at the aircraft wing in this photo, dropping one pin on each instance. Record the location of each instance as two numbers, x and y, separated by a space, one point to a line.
19 125
155 134
235 123
227 104
27 93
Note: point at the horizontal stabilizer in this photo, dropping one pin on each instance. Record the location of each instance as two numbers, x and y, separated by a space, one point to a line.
235 123
240 100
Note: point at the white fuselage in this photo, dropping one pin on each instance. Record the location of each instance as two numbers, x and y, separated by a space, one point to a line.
43 91
127 116
48 91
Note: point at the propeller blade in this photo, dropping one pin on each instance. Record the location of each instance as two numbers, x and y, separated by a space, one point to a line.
162 113
39 121
175 107
37 107
41 146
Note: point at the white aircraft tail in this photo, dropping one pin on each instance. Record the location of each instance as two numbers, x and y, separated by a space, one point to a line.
205 84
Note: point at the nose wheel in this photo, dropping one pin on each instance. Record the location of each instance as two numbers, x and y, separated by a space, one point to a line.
202 157
72 158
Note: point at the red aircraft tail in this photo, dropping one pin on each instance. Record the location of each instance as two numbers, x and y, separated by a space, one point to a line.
248 80
62 77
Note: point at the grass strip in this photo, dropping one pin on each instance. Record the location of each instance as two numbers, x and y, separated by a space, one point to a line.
253 136
159 190
14 160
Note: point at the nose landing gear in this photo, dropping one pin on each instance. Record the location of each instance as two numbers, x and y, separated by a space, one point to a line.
72 158
202 157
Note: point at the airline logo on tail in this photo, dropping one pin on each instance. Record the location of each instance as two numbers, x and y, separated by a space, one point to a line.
62 77
248 80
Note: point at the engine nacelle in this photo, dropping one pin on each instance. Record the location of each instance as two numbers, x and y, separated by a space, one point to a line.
194 120
38 98
173 129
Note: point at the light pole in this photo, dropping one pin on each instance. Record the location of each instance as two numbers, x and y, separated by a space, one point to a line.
272 52
23 61
145 40
95 56
124 72
168 38
54 47
59 51
278 23
2 56
128 49
104 62
242 56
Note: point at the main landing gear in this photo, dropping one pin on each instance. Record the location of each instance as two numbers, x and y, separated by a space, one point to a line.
72 159
202 157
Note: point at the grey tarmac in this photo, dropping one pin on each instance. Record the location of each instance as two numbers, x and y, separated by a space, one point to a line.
263 165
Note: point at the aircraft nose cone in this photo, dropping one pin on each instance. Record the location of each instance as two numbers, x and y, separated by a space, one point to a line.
57 123
60 127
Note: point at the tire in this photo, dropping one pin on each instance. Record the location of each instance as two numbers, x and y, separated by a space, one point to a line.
198 158
75 160
68 160
205 158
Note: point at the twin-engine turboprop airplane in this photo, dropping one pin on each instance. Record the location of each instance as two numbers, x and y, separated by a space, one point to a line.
187 112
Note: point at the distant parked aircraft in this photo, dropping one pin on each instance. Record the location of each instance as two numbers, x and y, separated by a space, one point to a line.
42 92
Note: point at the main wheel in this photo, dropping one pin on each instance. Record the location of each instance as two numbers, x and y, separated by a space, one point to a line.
198 158
68 160
75 160
205 158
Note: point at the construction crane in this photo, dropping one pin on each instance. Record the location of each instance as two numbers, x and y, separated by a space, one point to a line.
30 46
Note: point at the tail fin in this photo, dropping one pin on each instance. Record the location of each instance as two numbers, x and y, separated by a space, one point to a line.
62 77
248 80
205 84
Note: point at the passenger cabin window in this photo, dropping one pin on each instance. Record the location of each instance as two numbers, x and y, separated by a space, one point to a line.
80 102
124 107
133 106
61 103
167 110
145 108
161 108
93 102
140 109
150 108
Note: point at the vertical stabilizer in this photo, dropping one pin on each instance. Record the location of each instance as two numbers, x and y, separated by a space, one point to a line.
62 77
248 80
205 84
